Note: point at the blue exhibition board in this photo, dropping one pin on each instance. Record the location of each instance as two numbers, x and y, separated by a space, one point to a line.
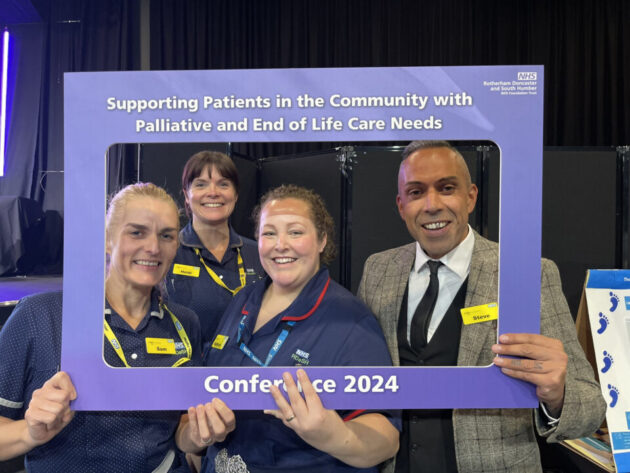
503 104
608 299
608 279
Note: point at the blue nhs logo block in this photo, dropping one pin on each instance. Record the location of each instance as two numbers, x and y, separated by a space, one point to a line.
627 298
527 75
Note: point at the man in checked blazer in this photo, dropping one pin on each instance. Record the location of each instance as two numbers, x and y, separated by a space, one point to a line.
435 197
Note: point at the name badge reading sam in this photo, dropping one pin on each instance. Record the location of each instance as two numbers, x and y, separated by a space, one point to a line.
220 341
480 313
160 346
185 270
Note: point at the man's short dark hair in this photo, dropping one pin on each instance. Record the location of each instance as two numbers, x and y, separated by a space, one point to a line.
425 144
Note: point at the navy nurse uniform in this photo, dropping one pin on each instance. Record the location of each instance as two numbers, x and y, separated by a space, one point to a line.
332 328
100 442
190 284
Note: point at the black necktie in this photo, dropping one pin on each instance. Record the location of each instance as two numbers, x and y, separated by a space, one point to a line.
422 315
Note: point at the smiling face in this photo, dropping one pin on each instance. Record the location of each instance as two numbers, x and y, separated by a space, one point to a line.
288 244
434 199
211 197
142 243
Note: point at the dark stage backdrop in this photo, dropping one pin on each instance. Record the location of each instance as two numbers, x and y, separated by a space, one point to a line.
582 44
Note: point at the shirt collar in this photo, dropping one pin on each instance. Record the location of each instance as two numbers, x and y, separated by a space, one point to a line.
304 305
188 237
457 260
155 310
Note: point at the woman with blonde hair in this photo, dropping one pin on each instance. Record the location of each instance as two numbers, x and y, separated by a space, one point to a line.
36 418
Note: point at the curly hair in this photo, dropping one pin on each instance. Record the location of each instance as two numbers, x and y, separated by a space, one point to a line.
320 216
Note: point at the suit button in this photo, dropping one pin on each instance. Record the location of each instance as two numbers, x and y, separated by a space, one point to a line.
414 447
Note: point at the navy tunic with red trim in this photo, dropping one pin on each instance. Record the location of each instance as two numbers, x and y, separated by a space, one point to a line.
332 328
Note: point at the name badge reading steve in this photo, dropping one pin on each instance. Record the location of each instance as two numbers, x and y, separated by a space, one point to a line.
480 313
160 346
185 270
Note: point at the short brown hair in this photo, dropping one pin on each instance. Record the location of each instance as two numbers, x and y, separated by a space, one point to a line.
320 216
208 159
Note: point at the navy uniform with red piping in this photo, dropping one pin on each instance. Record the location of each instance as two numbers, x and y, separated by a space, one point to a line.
325 326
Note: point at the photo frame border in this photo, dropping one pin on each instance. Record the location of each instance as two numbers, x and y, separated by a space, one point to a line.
511 120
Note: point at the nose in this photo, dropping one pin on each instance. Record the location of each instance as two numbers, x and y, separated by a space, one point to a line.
214 189
432 201
152 244
281 242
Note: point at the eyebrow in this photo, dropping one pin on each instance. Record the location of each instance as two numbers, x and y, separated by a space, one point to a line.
439 181
139 226
136 225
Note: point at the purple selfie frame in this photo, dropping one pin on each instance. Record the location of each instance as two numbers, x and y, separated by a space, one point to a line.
504 110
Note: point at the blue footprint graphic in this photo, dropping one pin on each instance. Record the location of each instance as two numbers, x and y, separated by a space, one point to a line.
614 395
614 301
608 361
603 323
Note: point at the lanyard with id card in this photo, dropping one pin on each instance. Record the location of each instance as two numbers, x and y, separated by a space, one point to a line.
218 280
160 346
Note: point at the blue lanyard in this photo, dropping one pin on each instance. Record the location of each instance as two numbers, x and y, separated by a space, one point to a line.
274 348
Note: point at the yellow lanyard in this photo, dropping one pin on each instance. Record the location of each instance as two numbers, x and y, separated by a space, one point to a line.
109 334
217 279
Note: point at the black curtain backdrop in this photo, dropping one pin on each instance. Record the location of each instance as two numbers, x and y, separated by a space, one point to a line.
583 45
75 35
22 169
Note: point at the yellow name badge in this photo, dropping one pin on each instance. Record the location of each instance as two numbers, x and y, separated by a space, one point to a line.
480 313
160 346
220 341
185 270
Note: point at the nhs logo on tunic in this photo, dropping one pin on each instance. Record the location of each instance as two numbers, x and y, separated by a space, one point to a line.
527 76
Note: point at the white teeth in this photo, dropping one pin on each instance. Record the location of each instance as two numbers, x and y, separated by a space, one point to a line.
212 205
284 260
434 226
147 263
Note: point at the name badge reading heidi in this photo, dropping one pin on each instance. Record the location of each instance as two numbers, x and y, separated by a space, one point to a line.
160 346
480 313
185 270
220 341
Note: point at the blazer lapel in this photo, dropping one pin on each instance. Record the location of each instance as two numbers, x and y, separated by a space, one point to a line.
482 289
397 281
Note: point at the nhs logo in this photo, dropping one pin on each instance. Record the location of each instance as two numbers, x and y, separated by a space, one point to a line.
527 75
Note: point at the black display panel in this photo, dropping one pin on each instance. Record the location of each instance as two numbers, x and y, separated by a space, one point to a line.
162 164
579 221
319 172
